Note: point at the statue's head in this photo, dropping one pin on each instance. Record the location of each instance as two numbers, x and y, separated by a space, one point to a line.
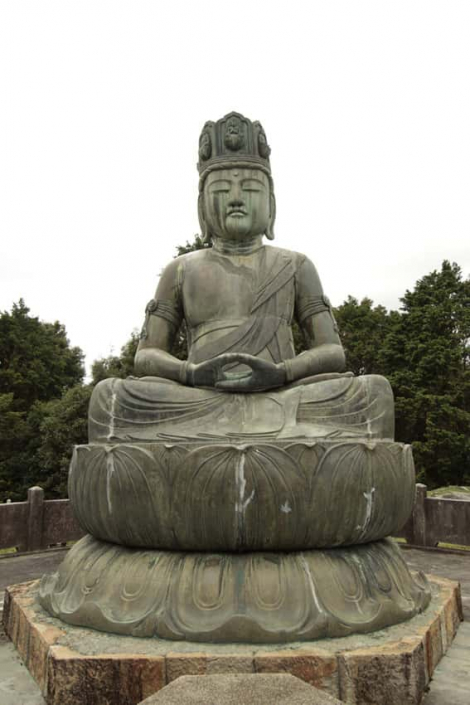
236 193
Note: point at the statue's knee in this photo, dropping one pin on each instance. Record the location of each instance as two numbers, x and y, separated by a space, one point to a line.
379 388
103 390
381 405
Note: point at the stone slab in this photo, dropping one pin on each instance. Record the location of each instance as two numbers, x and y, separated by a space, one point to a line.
240 690
77 666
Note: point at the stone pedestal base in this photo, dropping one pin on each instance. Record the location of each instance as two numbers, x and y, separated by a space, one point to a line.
229 597
78 666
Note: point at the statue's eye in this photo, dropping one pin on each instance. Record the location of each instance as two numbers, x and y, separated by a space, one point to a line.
252 186
220 186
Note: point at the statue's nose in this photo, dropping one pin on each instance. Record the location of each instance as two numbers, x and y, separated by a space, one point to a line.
236 196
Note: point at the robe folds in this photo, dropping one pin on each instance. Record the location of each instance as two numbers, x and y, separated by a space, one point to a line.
326 406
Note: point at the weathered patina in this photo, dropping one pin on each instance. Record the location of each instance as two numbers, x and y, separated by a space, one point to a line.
218 489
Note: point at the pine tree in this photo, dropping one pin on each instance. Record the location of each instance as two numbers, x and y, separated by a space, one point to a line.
426 356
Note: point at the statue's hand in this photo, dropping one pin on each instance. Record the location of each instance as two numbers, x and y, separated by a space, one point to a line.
210 372
263 374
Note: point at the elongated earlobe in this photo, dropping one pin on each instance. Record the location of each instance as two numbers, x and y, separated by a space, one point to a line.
205 234
272 217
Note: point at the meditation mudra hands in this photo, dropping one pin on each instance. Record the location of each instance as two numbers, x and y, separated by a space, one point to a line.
213 373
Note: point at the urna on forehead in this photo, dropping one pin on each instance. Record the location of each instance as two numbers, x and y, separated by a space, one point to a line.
233 141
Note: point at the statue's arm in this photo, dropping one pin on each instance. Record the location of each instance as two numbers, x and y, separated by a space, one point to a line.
163 318
313 313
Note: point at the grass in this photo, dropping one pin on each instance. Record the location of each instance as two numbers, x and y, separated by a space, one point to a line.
449 489
453 546
7 550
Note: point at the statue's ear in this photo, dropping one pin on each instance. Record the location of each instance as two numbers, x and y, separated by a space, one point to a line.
205 234
272 217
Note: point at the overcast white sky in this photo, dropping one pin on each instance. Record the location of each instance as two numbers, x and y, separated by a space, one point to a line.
366 106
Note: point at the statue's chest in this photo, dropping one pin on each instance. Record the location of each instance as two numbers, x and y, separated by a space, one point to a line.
220 288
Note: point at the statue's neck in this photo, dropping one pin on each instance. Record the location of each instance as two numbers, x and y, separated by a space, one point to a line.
237 247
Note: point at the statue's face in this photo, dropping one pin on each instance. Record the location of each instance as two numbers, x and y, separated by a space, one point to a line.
237 203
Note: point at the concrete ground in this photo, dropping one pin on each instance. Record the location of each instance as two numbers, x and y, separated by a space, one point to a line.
450 685
451 681
17 687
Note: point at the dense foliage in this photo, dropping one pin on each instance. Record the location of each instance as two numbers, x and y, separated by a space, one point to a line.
423 349
427 359
36 360
37 365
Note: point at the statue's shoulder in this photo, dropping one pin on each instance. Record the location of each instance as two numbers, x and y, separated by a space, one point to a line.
296 258
193 257
179 264
306 278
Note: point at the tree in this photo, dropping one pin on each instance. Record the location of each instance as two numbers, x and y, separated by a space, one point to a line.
197 244
13 455
426 356
116 365
36 360
363 329
60 424
37 364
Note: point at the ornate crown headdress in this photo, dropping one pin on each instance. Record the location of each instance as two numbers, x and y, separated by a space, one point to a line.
233 139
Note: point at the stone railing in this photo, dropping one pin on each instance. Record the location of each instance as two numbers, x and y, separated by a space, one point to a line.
36 524
436 520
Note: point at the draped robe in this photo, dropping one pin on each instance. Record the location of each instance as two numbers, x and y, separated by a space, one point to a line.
324 406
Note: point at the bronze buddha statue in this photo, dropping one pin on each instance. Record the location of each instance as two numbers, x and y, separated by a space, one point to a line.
238 300
243 494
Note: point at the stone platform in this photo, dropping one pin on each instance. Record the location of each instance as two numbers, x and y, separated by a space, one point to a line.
77 666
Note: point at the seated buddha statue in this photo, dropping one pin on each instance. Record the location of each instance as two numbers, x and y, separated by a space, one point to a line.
243 494
238 300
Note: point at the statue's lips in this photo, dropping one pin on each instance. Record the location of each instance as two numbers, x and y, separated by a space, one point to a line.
237 214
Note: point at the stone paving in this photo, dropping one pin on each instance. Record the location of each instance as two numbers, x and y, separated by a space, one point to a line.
451 681
450 685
